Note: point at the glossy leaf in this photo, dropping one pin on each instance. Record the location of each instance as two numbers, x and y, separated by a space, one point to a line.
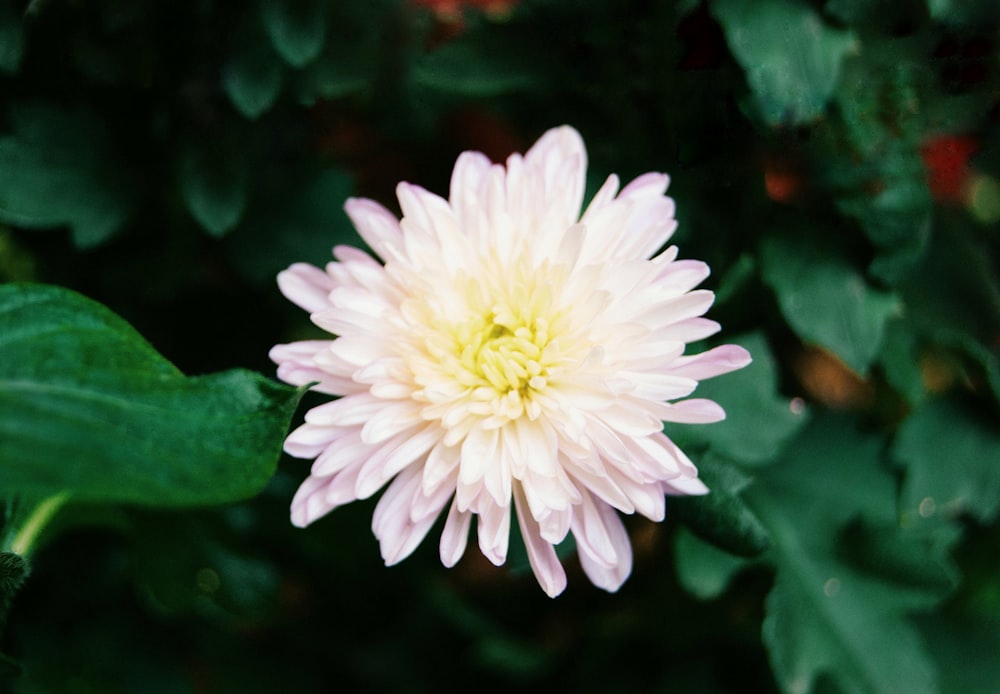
826 301
88 407
791 58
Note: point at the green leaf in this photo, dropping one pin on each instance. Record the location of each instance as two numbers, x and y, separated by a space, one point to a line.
916 563
297 28
953 297
759 420
11 38
88 407
791 58
900 362
479 65
334 74
58 167
721 517
878 176
213 183
825 300
849 11
253 75
951 454
703 569
830 613
959 12
965 648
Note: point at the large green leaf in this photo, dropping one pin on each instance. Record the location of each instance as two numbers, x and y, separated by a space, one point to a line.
825 300
840 609
791 58
951 454
59 167
88 407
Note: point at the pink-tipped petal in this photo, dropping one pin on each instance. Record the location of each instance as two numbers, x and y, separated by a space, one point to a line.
714 362
541 555
306 286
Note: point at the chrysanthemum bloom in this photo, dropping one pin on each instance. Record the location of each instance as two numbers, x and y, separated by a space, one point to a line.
508 356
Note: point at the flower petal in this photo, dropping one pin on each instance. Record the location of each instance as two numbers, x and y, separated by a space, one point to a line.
306 286
541 555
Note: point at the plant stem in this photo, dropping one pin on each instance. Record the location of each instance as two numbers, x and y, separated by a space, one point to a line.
36 522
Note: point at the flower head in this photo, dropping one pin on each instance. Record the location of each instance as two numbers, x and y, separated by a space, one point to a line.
508 356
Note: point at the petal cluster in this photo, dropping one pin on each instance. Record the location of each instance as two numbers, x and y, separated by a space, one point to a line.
510 355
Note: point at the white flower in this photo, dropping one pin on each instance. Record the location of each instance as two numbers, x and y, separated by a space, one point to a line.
510 355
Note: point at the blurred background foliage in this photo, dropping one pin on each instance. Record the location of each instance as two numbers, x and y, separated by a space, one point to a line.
837 163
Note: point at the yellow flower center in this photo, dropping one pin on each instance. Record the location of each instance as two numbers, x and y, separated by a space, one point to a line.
497 356
503 353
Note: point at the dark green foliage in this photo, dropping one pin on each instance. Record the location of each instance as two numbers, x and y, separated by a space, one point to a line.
837 164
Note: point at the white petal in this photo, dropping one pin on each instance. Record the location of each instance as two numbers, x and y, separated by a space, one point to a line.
685 486
647 498
455 536
376 225
602 197
398 535
353 410
494 532
391 419
610 578
308 441
298 366
442 462
346 451
309 502
393 456
541 555
694 411
306 286
716 361
647 185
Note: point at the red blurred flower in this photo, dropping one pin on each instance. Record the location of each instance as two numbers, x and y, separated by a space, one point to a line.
946 158
783 179
452 9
